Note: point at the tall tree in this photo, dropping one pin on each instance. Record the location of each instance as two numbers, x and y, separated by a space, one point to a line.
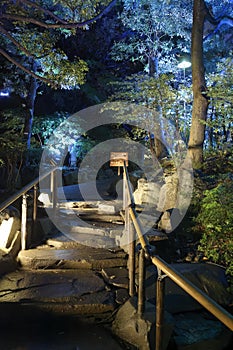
154 32
201 15
200 99
30 32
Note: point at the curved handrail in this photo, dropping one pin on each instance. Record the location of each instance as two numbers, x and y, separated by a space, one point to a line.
25 189
208 303
22 193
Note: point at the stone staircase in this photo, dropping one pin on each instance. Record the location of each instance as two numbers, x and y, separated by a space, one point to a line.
77 274
65 277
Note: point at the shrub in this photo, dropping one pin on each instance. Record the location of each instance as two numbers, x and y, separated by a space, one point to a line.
215 220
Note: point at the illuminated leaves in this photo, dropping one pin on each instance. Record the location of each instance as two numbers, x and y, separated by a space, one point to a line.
150 28
32 30
216 219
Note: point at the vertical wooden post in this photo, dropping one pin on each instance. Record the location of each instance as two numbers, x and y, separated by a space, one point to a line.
141 283
24 222
129 231
34 213
35 197
131 260
54 191
125 194
160 290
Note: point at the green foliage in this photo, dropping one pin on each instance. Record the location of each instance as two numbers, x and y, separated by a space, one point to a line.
34 34
157 30
215 220
58 134
218 40
220 84
220 87
159 95
146 91
12 146
78 10
82 146
11 131
44 126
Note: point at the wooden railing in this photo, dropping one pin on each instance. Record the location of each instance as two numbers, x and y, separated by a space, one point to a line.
132 225
164 269
22 193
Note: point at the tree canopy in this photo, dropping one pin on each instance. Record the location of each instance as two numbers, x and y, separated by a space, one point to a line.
55 42
30 34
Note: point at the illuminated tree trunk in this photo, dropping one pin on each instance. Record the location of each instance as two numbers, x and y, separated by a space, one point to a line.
30 105
200 101
158 149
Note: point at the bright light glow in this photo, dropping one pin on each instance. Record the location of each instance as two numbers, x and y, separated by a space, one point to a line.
5 232
184 64
4 93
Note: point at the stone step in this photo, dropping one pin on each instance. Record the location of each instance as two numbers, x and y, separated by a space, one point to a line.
67 292
74 257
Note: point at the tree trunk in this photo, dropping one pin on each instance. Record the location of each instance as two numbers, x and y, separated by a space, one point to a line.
153 66
200 100
30 105
158 149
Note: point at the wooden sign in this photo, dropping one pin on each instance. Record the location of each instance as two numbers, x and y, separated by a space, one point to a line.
118 158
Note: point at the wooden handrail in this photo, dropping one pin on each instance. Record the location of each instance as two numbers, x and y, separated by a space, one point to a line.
208 303
23 193
25 189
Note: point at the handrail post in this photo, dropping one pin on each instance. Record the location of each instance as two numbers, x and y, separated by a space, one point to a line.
131 260
34 213
24 222
209 304
160 290
141 283
129 230
54 190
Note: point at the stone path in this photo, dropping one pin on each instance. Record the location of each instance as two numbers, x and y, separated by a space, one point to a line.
66 277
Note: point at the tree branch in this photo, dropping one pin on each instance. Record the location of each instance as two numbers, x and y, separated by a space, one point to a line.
47 12
225 20
17 44
217 22
12 60
61 25
208 15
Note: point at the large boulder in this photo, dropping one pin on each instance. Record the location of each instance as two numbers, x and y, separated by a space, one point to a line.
7 263
147 193
168 193
140 331
210 278
199 331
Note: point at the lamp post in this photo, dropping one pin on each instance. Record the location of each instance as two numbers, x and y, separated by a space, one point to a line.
183 65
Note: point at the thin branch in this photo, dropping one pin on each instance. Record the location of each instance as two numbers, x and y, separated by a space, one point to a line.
56 26
17 44
225 20
47 12
208 15
12 60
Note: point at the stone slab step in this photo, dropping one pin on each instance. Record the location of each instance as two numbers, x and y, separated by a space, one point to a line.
91 240
82 258
74 240
69 292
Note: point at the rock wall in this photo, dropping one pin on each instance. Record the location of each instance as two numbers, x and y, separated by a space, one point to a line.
170 197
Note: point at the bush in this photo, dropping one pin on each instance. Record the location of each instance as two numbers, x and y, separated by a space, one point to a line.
215 220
